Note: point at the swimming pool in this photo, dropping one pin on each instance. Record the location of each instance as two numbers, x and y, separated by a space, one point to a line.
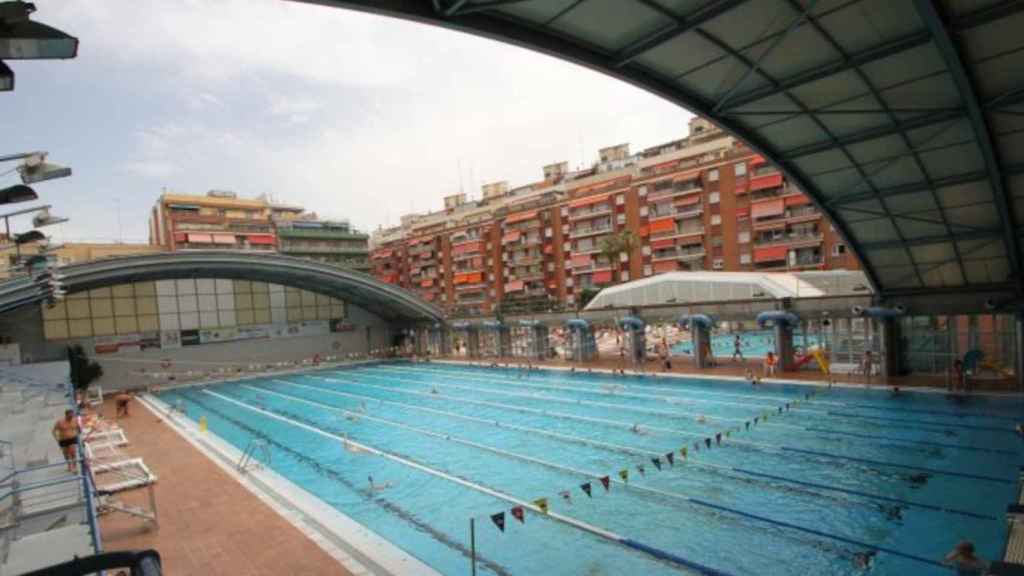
754 343
803 491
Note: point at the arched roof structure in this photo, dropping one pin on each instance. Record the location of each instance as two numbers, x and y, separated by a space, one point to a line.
902 120
385 300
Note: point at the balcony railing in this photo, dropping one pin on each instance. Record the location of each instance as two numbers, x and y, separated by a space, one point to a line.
580 214
790 239
526 260
679 255
592 267
670 192
678 233
590 231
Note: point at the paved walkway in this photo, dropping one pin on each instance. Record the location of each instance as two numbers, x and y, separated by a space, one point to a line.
209 523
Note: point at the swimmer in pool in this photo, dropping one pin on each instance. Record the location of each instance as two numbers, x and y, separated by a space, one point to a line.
433 390
351 417
637 430
701 419
863 560
374 487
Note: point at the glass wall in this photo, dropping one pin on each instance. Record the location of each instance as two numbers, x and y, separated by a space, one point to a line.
932 343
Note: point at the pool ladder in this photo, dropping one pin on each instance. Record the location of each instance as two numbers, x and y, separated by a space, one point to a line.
249 456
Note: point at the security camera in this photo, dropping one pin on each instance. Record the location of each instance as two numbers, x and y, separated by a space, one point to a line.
857 310
991 304
900 309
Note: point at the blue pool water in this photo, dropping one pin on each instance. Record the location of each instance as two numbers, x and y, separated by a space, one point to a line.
803 492
754 344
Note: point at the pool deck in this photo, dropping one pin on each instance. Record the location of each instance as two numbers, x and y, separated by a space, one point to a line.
209 523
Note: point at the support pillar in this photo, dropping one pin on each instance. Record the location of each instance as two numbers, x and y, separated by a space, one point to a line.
472 342
701 337
504 342
784 346
1018 351
889 332
539 342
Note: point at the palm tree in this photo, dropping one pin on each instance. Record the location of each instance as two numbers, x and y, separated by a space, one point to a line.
614 244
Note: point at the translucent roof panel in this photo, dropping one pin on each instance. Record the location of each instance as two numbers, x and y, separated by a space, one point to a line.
696 287
901 120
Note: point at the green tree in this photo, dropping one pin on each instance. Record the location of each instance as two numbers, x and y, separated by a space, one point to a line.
614 244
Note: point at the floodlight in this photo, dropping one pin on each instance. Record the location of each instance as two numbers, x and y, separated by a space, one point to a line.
6 78
17 193
44 218
23 39
37 169
29 237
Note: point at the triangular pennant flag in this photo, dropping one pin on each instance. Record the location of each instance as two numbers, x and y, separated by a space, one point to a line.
780 409
656 462
746 425
671 458
787 405
682 452
518 514
606 482
696 446
586 489
707 442
499 520
566 496
541 503
624 474
718 439
756 419
727 432
641 470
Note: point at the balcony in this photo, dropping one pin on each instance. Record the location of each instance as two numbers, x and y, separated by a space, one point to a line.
326 234
790 239
671 193
527 260
303 249
592 267
466 256
685 255
678 233
527 276
583 214
590 231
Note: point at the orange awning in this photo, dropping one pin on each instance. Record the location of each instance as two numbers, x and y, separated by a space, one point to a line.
180 237
511 236
666 266
580 260
200 238
474 246
382 254
663 225
768 181
261 239
521 217
770 254
662 244
799 200
743 212
602 277
469 278
427 282
688 200
770 208
548 249
756 161
223 238
690 240
589 200
514 286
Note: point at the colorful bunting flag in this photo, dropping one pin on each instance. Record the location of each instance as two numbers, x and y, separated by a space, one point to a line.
499 520
707 442
747 424
518 514
787 405
682 452
727 432
605 481
624 474
656 462
586 489
718 439
541 503
780 409
566 496
641 470
672 457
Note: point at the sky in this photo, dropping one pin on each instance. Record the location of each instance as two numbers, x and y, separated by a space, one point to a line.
351 115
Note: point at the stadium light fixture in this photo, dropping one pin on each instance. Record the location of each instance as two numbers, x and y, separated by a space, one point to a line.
29 237
37 169
44 218
17 193
6 78
24 39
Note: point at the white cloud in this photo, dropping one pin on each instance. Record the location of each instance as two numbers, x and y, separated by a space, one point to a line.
152 169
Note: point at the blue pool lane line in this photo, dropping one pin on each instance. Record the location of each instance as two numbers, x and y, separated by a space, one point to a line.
663 555
650 550
756 445
914 442
1006 429
620 448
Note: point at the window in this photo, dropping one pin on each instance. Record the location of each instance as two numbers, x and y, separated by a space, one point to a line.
716 241
646 251
718 264
620 218
643 211
744 237
620 200
647 270
741 169
713 175
642 191
713 198
838 249
625 275
744 258
716 219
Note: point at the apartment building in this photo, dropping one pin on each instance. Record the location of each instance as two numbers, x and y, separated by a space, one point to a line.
705 202
220 220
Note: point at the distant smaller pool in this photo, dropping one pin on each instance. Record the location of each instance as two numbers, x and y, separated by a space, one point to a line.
754 344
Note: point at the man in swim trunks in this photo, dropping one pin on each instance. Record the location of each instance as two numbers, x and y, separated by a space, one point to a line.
65 432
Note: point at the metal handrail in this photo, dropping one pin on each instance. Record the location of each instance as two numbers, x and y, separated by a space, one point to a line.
36 485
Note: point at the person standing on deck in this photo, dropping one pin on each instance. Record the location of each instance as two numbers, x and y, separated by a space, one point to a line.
65 432
737 348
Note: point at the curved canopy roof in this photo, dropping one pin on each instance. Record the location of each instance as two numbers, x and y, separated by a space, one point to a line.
385 300
902 120
697 287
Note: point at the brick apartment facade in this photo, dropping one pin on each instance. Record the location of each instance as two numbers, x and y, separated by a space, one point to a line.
702 203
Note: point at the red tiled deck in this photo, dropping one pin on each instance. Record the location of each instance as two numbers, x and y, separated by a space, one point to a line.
209 523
